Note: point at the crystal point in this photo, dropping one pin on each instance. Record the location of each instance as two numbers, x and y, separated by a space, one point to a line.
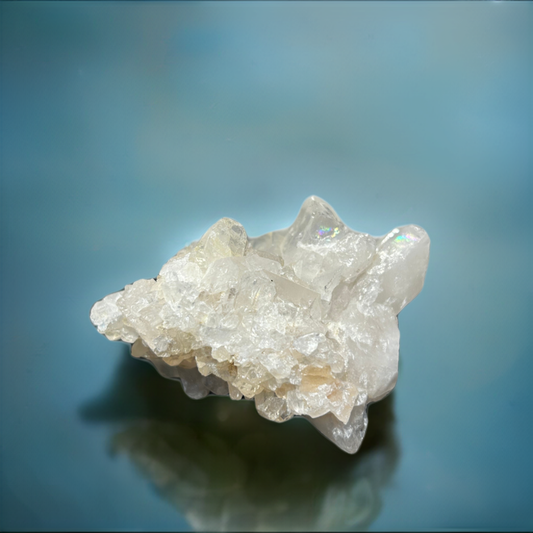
302 320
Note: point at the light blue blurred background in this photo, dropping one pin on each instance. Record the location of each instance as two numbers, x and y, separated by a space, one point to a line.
129 128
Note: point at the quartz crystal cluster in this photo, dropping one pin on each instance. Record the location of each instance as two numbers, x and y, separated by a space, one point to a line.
301 320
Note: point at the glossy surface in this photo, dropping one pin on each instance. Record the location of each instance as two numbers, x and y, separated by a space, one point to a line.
127 129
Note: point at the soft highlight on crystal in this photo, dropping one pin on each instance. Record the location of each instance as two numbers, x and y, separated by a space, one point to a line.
301 320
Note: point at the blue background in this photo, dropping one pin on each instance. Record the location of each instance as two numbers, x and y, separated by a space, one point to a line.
129 128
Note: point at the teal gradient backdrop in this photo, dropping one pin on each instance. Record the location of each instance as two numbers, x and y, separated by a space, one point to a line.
129 128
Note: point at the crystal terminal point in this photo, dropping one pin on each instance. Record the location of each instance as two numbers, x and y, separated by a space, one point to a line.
301 320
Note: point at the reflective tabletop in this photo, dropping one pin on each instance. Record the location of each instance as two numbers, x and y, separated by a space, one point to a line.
129 128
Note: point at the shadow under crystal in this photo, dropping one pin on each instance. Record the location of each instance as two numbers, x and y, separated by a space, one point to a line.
224 467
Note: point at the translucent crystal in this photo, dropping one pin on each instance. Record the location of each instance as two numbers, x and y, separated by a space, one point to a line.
302 320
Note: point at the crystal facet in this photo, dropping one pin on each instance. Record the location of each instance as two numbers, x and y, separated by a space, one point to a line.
302 320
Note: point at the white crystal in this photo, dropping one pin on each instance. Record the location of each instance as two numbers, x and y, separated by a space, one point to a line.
302 320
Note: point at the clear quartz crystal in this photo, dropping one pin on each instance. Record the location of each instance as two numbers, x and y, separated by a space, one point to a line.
302 320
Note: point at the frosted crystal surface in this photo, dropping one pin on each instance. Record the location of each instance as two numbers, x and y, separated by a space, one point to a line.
302 320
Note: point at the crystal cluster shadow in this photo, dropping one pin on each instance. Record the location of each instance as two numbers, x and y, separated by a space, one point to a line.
227 469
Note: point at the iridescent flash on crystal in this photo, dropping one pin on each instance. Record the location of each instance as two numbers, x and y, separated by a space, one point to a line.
408 237
326 231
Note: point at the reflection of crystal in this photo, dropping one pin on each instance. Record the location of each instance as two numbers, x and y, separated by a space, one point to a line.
225 468
302 320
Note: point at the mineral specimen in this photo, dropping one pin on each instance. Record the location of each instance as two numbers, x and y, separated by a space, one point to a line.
302 320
